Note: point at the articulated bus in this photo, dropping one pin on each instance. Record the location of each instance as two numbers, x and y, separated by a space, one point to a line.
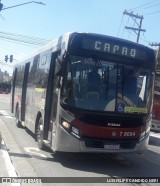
86 92
156 103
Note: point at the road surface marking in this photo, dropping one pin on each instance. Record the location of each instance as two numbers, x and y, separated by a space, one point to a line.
5 114
157 135
32 150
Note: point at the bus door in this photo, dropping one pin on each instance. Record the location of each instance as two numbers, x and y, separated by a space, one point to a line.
51 101
53 116
13 90
24 91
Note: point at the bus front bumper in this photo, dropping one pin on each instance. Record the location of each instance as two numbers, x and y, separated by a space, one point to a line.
65 142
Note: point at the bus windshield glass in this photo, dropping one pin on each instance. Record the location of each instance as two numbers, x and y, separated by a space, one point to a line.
101 85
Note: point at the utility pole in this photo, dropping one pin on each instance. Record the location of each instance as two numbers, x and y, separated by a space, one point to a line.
136 30
158 52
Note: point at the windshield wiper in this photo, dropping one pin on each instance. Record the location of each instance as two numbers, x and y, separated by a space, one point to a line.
96 61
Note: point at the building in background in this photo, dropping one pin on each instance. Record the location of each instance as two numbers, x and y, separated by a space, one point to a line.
5 82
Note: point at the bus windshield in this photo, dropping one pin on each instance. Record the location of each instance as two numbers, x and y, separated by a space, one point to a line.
101 85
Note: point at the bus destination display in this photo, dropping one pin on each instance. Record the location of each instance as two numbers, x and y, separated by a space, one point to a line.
115 48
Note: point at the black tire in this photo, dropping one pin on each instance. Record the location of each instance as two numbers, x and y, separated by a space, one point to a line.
39 134
18 123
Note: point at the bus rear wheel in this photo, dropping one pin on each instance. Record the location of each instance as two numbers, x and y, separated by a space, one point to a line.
39 134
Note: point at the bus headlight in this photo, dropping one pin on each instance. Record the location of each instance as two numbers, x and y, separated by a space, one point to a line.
71 129
65 124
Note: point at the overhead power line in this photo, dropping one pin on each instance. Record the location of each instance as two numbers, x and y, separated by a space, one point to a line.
151 6
120 25
153 13
140 6
146 6
23 38
155 44
2 17
5 64
124 27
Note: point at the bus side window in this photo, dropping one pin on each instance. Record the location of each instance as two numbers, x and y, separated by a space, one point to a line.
20 76
32 78
43 63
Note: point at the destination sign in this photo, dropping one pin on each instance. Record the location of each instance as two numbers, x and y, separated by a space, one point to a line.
113 47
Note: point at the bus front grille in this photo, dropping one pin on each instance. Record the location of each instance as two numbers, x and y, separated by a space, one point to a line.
102 120
100 143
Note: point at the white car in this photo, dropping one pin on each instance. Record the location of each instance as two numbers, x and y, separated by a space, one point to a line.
155 125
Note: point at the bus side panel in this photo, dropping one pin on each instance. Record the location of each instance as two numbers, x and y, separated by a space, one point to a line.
36 88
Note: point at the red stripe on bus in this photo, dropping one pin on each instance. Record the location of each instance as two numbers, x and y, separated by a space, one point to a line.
107 132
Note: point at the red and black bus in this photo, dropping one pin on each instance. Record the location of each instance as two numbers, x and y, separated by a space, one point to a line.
86 92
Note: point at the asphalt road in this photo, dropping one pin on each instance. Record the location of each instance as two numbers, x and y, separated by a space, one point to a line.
28 160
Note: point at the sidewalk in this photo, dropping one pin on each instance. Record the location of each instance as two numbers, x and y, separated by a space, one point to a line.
13 166
6 167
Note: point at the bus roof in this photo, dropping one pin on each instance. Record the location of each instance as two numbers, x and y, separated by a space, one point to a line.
58 43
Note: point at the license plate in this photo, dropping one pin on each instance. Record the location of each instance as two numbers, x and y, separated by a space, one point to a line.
112 147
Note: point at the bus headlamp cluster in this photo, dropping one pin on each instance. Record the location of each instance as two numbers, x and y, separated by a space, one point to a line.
65 124
72 129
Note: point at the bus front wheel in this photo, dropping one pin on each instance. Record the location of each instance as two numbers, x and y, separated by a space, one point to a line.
39 134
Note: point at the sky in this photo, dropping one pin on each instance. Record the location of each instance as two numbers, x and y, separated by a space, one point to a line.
57 17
